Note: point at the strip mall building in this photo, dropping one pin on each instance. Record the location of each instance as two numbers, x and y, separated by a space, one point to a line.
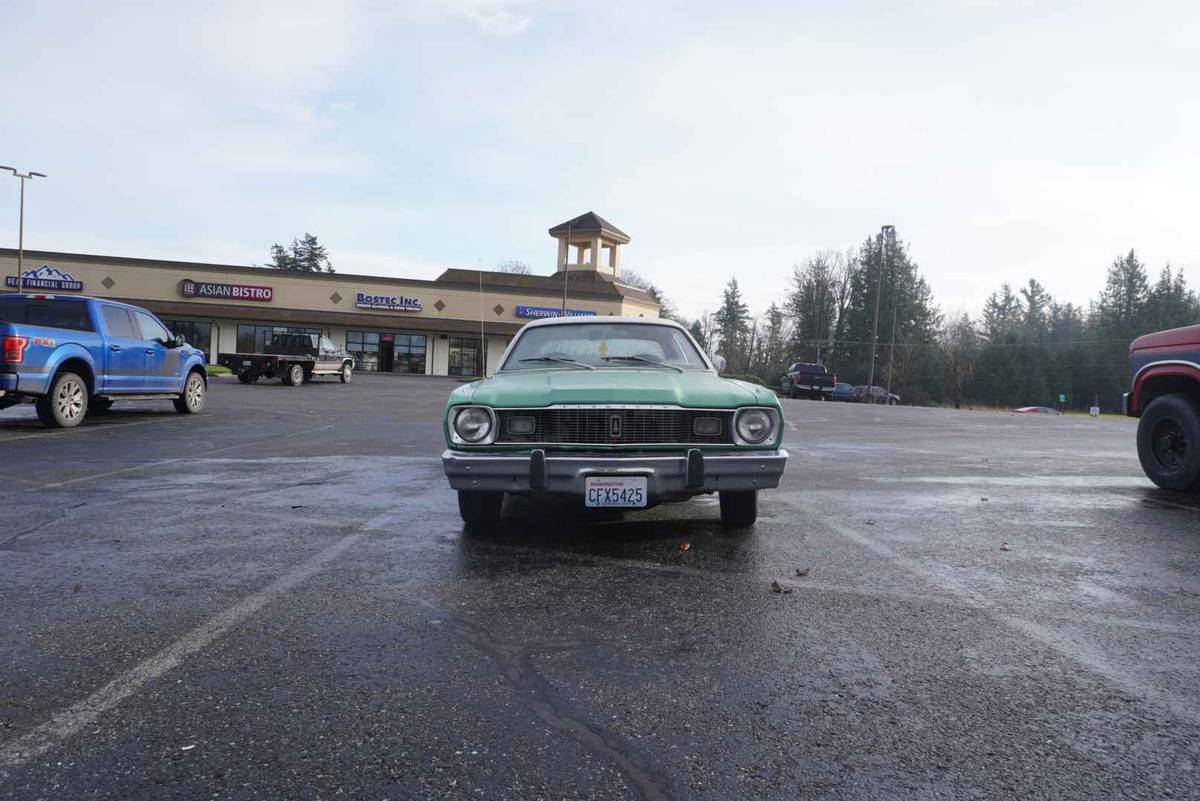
389 324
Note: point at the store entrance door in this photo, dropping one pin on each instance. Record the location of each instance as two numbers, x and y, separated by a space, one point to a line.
385 353
465 357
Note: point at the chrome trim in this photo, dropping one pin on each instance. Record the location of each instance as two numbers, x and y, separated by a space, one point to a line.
1145 367
658 406
452 414
626 406
776 423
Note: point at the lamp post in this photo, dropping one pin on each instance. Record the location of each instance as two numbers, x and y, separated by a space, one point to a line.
875 326
24 176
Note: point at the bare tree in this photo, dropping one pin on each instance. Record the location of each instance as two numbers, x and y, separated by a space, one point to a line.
514 266
959 343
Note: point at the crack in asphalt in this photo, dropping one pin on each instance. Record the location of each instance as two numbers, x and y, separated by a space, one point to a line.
515 663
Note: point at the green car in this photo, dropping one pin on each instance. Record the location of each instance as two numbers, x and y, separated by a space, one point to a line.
619 412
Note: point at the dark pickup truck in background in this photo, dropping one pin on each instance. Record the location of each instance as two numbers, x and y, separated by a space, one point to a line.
1165 394
292 358
808 380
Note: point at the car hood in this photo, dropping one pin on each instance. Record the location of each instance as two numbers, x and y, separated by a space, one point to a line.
533 388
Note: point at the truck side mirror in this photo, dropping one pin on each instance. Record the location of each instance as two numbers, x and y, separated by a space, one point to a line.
178 340
719 363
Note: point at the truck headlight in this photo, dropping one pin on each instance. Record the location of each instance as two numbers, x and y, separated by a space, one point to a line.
472 424
754 425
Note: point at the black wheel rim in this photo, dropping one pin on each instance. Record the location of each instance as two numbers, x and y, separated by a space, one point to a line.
1169 444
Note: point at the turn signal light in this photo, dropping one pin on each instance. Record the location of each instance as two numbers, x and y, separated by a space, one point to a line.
707 426
14 349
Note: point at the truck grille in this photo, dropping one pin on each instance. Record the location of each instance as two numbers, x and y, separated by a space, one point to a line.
617 426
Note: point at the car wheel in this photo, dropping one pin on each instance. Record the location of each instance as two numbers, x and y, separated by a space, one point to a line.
480 508
893 402
346 374
66 404
294 375
194 393
739 509
245 378
1169 442
98 405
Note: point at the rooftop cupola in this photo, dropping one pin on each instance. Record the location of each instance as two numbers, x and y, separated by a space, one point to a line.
591 235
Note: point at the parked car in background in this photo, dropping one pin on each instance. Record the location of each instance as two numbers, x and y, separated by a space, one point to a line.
807 380
865 394
615 412
1037 410
74 356
1165 394
294 359
842 391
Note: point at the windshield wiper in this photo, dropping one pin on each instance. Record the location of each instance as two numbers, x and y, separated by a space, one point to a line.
643 360
558 360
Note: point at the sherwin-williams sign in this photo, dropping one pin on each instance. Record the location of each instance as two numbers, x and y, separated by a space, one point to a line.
387 302
203 289
45 277
539 312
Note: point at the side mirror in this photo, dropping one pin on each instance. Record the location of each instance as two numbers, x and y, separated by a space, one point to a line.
719 363
178 341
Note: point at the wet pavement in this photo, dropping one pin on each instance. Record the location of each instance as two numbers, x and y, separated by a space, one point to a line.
277 600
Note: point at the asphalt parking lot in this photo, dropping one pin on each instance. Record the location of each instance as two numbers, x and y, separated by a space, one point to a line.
276 599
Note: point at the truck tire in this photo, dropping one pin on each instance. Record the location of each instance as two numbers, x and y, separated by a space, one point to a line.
293 375
792 393
194 394
346 374
247 377
739 509
66 404
480 509
1168 442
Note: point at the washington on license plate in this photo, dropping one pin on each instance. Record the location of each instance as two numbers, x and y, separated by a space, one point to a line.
628 491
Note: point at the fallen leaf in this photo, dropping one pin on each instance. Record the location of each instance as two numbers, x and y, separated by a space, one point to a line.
777 587
802 571
683 546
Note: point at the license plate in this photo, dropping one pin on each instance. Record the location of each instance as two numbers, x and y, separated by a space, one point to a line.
246 362
625 491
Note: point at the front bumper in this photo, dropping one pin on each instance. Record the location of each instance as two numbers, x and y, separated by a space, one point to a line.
668 474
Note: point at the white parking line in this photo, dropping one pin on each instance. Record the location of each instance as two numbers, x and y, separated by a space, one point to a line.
188 458
90 429
71 720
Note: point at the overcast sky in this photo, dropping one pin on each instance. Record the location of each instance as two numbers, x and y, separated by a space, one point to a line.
1003 140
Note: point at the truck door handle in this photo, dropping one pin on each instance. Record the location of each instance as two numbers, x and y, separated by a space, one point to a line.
114 347
150 350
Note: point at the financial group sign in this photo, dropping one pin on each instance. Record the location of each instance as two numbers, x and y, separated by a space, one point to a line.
205 289
44 277
364 300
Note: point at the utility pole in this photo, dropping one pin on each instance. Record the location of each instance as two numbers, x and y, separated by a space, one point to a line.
24 176
889 236
875 324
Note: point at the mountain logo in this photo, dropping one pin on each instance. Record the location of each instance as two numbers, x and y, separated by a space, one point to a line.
45 277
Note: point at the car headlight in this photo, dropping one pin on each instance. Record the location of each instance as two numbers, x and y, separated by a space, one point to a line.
473 424
755 425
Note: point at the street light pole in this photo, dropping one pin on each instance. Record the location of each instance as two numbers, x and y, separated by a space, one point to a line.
889 235
875 325
24 176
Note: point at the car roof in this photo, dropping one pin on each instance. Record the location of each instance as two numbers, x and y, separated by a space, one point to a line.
56 296
595 318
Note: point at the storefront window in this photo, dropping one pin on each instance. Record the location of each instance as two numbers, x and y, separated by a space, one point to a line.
253 338
364 347
198 335
408 353
388 353
465 357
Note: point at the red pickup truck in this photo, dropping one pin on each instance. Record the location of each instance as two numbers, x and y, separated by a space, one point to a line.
1165 394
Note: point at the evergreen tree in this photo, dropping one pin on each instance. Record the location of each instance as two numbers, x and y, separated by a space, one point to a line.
732 327
305 255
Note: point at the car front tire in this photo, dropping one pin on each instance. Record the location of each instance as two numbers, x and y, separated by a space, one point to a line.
66 404
1168 442
346 374
739 509
480 509
194 395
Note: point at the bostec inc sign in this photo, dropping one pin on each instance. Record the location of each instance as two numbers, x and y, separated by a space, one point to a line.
204 289
387 302
45 277
542 312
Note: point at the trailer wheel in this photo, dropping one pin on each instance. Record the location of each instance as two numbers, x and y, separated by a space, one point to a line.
294 375
246 377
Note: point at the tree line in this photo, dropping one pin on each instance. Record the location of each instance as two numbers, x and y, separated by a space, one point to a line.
1024 349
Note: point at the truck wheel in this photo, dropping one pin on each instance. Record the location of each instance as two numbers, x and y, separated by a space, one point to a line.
1169 442
792 393
346 374
66 404
308 377
246 378
192 399
294 375
479 508
739 509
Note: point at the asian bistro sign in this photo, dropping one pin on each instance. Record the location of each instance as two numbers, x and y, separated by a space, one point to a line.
205 289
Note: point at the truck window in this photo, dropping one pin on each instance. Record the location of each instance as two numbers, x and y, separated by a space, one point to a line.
52 313
117 322
149 328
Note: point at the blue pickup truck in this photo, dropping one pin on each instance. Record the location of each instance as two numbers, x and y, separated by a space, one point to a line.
74 356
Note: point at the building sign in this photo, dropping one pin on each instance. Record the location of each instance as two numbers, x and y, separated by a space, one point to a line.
45 277
539 312
203 289
387 302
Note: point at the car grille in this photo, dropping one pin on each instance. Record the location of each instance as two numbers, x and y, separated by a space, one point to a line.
623 426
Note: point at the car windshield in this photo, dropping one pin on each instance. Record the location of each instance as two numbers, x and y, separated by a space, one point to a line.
603 345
